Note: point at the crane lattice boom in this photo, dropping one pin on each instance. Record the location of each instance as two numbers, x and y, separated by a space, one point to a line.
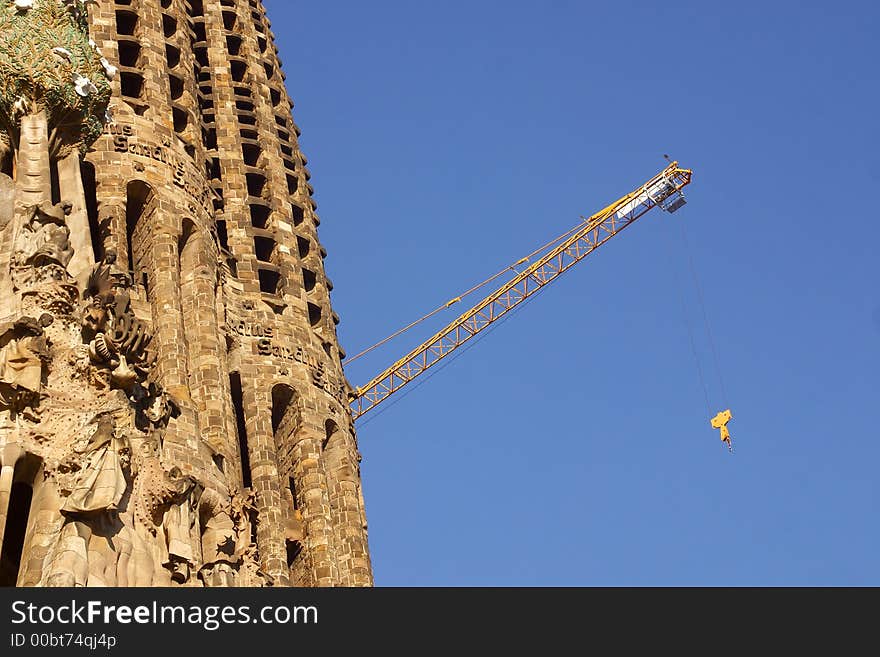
663 190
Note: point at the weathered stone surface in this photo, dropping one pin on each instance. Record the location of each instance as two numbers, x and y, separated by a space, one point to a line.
170 377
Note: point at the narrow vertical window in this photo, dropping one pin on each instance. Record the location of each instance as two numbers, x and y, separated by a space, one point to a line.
238 405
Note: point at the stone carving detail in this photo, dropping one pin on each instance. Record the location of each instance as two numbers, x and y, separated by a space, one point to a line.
97 479
117 340
24 354
43 240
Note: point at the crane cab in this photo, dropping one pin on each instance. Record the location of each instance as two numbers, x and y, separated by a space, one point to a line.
664 194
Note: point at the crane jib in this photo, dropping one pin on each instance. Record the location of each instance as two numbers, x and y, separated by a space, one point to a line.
662 190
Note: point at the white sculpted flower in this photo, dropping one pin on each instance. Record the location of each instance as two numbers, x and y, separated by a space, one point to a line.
109 69
24 5
84 86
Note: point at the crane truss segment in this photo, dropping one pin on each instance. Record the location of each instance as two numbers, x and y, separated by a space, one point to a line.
663 190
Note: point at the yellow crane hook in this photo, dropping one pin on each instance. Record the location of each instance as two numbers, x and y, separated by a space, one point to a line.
720 422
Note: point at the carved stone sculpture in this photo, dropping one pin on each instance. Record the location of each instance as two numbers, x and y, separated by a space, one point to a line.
44 238
23 357
219 540
117 339
100 483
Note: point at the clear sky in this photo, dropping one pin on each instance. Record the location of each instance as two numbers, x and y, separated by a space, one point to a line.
572 446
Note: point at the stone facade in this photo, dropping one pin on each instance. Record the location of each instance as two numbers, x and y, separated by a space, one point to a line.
173 409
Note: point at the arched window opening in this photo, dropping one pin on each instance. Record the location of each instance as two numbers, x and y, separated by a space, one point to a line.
129 53
126 22
138 208
181 118
264 248
332 435
251 153
229 19
292 184
199 34
303 246
169 25
314 314
260 213
175 86
298 214
310 279
172 55
186 256
294 549
270 280
233 44
283 408
256 184
90 187
223 235
14 534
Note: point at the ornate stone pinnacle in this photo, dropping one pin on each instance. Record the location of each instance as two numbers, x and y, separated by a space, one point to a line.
48 63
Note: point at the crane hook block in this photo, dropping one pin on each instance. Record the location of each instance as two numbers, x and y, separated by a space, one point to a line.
720 422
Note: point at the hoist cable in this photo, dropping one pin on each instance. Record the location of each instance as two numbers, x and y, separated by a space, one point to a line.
686 318
705 315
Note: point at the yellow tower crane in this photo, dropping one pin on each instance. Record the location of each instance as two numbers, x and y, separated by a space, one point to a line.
664 190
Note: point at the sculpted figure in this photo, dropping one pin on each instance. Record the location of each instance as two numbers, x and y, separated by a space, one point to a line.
44 237
116 337
177 526
163 507
23 358
219 540
101 482
154 407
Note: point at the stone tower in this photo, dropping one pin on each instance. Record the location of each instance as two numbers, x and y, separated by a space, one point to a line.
173 409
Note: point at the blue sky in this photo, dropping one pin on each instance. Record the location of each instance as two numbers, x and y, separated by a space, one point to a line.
572 446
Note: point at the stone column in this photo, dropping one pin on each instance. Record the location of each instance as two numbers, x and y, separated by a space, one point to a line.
9 456
205 348
33 185
341 466
312 490
71 187
168 337
264 477
33 174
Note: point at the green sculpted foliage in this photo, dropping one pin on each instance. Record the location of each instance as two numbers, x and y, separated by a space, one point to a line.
48 63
